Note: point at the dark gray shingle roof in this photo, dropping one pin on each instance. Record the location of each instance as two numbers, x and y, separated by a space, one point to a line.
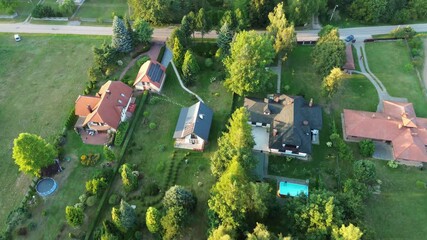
196 119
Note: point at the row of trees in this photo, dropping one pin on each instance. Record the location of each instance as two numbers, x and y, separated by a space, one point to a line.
385 11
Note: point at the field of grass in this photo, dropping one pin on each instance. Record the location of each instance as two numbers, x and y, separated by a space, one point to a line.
41 77
397 212
23 8
389 61
102 10
356 93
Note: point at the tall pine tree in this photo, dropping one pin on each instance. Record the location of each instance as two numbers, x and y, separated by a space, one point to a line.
178 53
122 39
225 36
190 68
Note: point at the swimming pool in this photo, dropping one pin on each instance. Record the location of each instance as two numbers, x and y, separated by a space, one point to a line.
292 189
46 186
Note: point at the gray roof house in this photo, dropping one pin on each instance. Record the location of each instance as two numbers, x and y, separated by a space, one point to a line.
284 125
193 126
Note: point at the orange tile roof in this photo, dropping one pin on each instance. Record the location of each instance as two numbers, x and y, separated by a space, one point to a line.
397 123
106 106
143 75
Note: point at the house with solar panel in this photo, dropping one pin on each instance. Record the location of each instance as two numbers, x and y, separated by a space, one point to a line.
193 127
151 77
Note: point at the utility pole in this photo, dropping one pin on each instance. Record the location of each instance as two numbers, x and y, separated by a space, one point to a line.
332 15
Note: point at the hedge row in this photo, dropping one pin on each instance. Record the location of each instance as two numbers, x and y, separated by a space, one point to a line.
121 133
161 53
140 103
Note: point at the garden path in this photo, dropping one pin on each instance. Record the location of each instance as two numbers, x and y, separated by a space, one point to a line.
182 84
278 71
364 69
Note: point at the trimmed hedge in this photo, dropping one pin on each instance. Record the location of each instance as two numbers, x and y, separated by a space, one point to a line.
161 53
121 133
71 119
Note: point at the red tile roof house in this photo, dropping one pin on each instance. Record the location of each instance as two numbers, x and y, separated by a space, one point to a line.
100 115
397 125
151 76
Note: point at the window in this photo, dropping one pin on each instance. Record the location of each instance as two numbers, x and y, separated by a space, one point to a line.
121 94
120 101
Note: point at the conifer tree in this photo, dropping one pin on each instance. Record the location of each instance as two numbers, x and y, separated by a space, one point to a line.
178 53
190 68
225 36
123 217
122 39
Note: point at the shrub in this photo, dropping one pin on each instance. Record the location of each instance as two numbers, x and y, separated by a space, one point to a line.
409 67
96 186
91 201
364 171
109 154
121 133
71 119
392 164
114 199
79 205
152 189
90 159
142 60
420 184
367 148
152 125
83 198
22 231
32 226
208 62
67 7
129 180
178 196
403 32
74 216
41 11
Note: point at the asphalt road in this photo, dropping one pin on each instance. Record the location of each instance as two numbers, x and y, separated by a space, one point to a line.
162 34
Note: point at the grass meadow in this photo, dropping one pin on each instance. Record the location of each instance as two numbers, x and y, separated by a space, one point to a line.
41 77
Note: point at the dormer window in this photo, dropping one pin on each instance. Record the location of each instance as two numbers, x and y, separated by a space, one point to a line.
120 101
121 94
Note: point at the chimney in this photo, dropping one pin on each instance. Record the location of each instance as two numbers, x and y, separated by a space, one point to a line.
373 115
388 117
310 104
399 126
274 132
89 108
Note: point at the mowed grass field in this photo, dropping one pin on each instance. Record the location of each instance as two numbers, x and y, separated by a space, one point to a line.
387 60
101 9
40 77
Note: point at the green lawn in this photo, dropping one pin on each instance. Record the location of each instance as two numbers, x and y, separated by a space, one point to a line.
23 8
100 9
398 212
387 60
41 77
152 150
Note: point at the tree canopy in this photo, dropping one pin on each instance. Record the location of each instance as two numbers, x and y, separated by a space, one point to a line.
143 31
32 153
74 215
301 11
178 196
190 68
328 53
222 233
237 142
123 217
251 53
152 220
225 36
178 53
349 232
283 32
122 39
331 82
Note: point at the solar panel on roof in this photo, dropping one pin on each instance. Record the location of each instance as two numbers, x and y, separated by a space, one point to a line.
155 73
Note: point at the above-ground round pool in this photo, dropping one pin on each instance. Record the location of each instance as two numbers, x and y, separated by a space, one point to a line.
46 186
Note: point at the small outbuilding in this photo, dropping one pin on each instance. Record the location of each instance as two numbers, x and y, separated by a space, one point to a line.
151 76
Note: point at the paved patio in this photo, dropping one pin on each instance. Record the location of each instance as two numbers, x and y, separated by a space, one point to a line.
261 137
97 139
383 151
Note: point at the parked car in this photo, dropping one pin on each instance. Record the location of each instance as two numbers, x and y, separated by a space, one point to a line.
350 38
17 37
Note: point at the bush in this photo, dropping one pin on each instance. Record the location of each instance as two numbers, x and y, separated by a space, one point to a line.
79 205
114 199
67 7
420 184
83 198
91 201
409 67
32 226
152 125
74 216
178 196
109 154
142 60
71 119
152 189
42 11
96 186
403 32
90 159
208 62
121 133
393 164
364 171
205 49
367 148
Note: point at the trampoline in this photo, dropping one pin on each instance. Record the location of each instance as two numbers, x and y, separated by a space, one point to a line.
46 186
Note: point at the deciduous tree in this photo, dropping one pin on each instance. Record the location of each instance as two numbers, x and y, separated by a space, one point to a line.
223 233
364 171
32 153
349 232
283 32
122 39
172 222
331 82
260 233
328 53
153 11
143 31
366 148
246 66
301 11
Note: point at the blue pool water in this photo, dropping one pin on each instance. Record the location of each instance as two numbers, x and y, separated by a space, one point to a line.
292 189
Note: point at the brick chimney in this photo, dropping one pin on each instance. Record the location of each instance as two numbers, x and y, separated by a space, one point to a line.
89 108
